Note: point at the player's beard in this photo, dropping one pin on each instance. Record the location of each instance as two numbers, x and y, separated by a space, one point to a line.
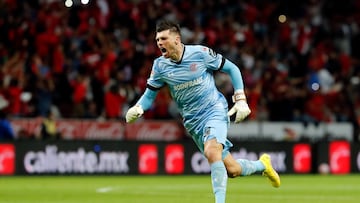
172 53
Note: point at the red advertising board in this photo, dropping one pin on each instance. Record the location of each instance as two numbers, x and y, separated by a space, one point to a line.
174 159
148 159
302 158
74 128
339 157
113 130
26 126
154 130
77 129
7 159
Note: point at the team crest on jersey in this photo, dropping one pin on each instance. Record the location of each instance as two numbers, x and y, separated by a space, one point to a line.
193 67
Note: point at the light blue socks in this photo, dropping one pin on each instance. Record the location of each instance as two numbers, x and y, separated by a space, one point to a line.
250 167
219 181
219 175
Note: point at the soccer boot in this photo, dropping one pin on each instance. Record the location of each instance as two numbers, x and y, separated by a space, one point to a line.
269 171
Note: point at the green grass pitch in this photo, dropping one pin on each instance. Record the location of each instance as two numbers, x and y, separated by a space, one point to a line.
182 189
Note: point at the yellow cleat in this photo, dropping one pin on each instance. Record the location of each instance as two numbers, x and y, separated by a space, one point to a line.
269 171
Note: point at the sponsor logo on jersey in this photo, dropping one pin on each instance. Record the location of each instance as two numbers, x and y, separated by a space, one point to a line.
188 84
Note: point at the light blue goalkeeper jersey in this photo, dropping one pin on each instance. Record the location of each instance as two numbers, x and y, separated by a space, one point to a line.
192 85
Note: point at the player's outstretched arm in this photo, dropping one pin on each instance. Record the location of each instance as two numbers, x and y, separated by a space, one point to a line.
241 108
142 105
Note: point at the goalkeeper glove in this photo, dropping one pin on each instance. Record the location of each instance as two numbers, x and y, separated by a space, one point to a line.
134 113
240 107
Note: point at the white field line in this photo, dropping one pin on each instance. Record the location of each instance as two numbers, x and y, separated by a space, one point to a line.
164 190
104 189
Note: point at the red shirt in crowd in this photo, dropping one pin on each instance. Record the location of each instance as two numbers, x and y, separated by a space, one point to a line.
113 104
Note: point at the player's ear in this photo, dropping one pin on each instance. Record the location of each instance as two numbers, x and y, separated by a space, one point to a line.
177 40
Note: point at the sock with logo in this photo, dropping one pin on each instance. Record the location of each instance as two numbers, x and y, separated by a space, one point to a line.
250 167
219 181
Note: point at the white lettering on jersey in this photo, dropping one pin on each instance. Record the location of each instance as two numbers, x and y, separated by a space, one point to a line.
188 84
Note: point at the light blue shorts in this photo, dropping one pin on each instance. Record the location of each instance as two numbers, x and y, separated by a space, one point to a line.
213 129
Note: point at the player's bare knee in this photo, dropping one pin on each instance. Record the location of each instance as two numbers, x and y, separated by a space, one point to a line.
213 152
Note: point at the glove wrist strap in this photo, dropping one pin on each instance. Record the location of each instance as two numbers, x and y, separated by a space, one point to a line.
238 97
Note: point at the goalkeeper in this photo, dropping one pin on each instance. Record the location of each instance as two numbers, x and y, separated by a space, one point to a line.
188 70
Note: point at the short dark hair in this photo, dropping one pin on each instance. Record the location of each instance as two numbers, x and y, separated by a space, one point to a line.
168 25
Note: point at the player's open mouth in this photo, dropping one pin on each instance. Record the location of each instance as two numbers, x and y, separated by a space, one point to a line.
163 50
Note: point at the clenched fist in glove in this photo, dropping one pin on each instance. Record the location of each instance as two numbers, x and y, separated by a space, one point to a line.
134 113
241 108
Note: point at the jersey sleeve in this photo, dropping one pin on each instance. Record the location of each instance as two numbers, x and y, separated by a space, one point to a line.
213 60
154 81
234 72
147 99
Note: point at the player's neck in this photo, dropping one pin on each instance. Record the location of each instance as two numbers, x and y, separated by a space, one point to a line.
178 53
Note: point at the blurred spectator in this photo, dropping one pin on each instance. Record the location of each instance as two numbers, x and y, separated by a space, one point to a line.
80 86
316 109
91 110
48 127
161 105
44 95
114 102
6 130
13 94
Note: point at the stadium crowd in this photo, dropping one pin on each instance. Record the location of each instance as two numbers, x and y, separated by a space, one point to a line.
299 59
